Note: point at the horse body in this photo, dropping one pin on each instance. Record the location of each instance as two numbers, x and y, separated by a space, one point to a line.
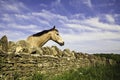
38 41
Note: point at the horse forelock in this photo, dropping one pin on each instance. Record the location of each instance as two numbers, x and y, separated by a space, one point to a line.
43 32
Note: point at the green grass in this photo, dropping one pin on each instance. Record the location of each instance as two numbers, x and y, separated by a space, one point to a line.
92 73
112 56
98 72
37 76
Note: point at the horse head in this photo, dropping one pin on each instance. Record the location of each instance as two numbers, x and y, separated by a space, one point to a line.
56 37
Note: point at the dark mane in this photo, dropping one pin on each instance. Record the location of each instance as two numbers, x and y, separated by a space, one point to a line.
43 32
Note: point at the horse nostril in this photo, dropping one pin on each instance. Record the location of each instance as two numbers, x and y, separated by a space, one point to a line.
63 43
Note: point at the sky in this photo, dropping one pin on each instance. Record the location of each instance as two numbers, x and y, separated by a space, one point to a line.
89 26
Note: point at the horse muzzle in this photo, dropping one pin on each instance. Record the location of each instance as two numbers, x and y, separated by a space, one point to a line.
61 44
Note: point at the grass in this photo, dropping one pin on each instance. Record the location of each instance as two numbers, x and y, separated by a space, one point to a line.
92 73
98 72
112 56
38 76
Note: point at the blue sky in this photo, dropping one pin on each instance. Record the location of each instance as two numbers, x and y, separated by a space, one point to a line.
90 26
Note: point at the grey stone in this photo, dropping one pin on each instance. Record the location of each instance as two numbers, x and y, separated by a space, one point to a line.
50 60
11 47
22 47
4 43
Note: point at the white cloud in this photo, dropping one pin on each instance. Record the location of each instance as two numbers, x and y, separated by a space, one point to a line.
88 3
12 6
77 3
56 3
110 18
105 26
88 43
92 24
44 14
95 42
7 17
90 36
100 32
81 27
23 16
78 16
43 22
47 15
2 26
13 35
43 5
24 27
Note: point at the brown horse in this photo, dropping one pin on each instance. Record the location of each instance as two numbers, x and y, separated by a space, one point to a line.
39 39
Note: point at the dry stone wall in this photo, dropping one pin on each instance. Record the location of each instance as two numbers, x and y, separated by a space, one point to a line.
45 60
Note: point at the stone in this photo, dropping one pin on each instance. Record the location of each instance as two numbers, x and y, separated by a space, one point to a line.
22 43
68 53
36 51
50 60
58 51
25 65
4 43
53 51
2 53
46 51
11 47
22 47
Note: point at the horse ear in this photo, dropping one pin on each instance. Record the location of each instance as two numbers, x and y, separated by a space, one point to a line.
54 27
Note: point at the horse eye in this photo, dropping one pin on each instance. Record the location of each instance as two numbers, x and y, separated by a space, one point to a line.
57 34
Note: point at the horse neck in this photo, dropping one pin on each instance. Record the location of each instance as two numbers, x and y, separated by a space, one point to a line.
43 39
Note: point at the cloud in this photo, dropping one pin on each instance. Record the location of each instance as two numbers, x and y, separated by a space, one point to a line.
88 3
56 3
81 27
44 14
48 18
110 18
85 34
90 36
78 3
78 16
6 18
90 26
78 31
95 42
24 27
48 15
12 6
43 5
13 35
23 16
104 26
85 43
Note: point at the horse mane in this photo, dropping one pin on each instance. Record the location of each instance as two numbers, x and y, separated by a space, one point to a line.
43 32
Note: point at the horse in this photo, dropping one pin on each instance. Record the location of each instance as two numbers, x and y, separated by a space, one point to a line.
40 38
